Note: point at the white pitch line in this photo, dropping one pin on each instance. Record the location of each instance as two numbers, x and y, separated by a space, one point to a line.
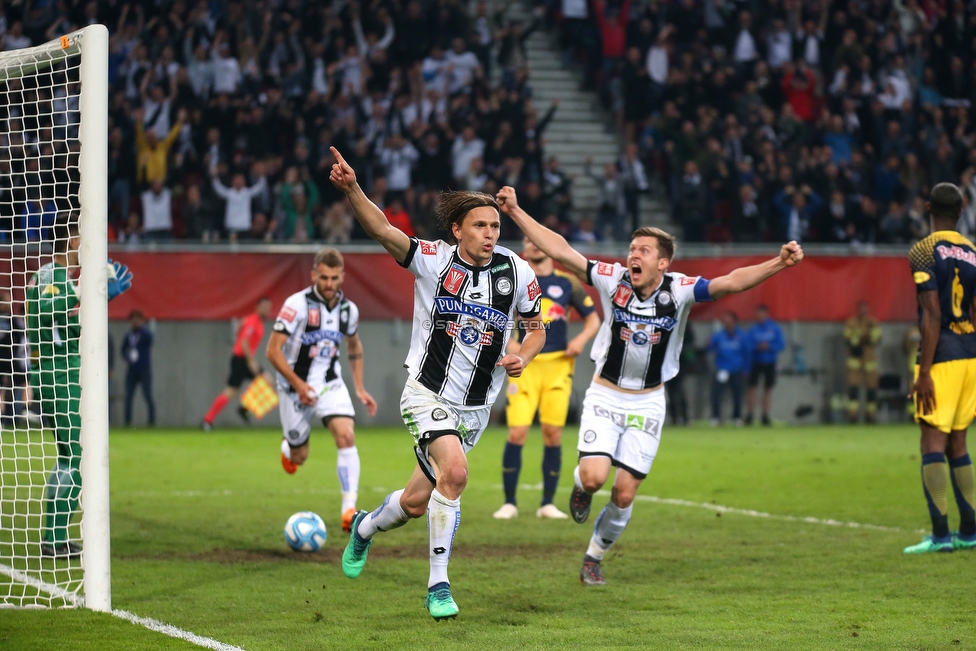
538 487
55 591
719 508
147 622
172 631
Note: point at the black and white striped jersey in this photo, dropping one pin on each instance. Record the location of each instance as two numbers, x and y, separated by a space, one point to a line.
314 334
639 343
463 317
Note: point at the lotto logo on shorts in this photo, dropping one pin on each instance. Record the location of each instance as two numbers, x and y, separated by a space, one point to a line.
604 269
623 295
455 276
428 248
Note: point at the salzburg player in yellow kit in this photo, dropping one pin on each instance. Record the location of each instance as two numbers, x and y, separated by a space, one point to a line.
545 385
944 268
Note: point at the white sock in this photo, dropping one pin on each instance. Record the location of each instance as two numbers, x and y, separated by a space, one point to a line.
389 515
609 525
576 478
347 468
443 518
286 449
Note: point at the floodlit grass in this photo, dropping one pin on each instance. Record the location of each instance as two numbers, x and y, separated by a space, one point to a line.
197 543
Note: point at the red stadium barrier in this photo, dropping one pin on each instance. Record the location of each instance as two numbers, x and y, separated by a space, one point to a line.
223 285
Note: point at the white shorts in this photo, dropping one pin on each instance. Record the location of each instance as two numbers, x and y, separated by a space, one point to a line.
427 416
625 427
296 418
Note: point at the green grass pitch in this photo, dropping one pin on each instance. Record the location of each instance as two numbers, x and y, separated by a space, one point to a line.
197 543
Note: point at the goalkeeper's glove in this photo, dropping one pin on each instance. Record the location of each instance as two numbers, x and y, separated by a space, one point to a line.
121 281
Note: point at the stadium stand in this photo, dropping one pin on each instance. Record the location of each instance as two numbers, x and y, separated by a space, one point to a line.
758 120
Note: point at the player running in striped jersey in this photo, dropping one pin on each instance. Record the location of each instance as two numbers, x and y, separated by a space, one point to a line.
466 296
304 349
244 364
645 312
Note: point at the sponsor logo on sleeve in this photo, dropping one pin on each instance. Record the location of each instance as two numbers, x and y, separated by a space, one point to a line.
428 248
287 314
921 277
314 317
454 278
622 295
689 281
604 268
534 290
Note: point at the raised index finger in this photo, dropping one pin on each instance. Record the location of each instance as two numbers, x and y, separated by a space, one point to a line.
339 158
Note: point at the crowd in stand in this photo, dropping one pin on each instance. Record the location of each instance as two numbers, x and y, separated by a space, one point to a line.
814 120
221 114
762 119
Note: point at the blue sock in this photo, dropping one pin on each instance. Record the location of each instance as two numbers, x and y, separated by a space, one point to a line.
935 481
511 467
552 462
961 473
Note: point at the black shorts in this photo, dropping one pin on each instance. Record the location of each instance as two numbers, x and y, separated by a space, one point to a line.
239 372
767 371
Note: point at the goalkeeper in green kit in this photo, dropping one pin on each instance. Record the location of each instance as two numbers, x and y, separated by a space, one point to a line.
54 330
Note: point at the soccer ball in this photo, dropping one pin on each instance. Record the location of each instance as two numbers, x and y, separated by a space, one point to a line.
305 532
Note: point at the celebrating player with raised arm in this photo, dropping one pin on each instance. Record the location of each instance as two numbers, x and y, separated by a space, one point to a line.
645 311
944 269
465 297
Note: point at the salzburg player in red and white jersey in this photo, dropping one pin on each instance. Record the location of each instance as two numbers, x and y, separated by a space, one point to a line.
244 364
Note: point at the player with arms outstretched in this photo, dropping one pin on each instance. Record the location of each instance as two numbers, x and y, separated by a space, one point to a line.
944 269
645 312
545 386
465 298
54 332
304 349
244 364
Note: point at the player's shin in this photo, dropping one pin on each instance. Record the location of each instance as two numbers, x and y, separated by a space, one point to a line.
389 515
608 528
935 480
443 518
511 468
552 461
63 489
347 468
964 487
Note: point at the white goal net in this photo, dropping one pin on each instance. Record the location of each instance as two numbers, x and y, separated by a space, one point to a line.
53 113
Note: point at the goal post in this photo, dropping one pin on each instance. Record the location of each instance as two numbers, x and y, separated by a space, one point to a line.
93 254
54 461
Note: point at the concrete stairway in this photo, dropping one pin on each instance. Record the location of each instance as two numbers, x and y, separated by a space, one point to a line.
580 127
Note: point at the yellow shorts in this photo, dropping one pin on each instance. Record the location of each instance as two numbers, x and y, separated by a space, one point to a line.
546 385
955 395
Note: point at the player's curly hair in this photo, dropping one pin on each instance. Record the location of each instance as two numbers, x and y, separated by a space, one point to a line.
454 206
